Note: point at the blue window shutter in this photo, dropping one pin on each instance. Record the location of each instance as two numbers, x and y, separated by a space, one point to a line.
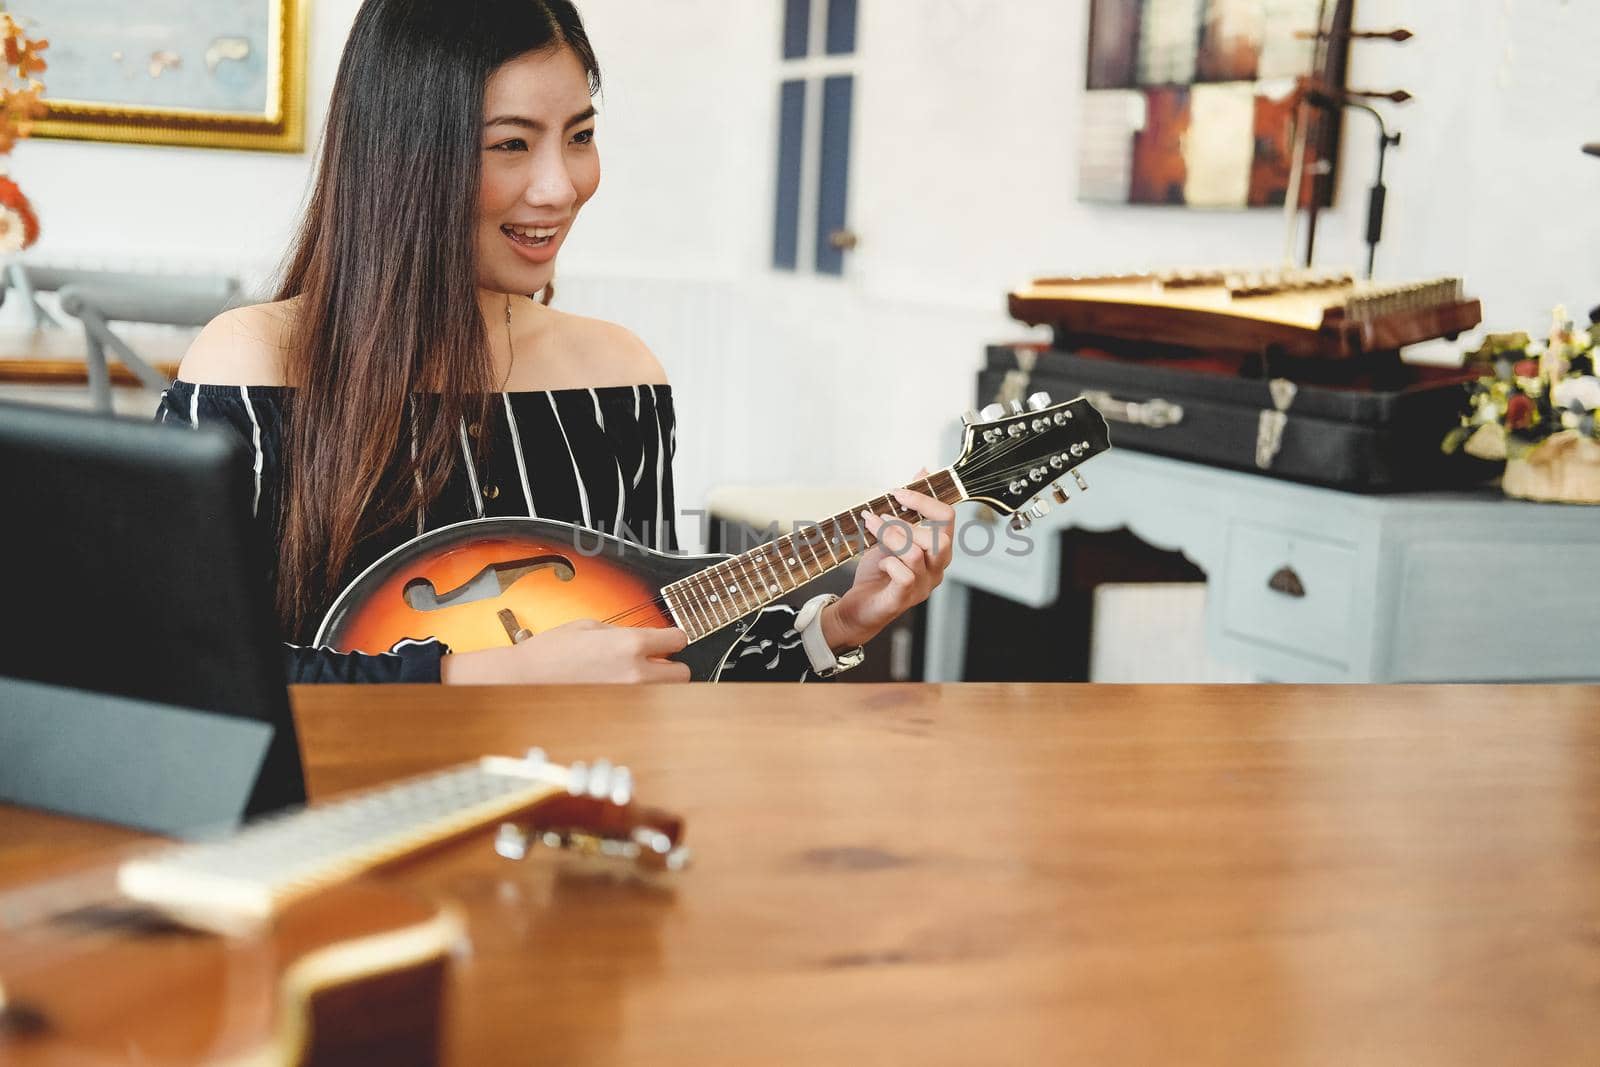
841 27
796 28
834 187
791 128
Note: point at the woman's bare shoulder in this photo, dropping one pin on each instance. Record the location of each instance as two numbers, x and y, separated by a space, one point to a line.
242 346
610 354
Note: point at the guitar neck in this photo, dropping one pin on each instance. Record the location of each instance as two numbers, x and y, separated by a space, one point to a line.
742 585
251 875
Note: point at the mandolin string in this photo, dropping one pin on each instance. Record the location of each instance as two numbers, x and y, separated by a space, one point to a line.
656 606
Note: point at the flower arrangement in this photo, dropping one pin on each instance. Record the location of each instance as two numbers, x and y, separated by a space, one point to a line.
1536 407
20 104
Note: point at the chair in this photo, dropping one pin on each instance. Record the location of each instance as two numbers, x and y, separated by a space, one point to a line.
98 298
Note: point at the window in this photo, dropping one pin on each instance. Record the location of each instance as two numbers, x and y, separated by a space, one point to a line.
815 101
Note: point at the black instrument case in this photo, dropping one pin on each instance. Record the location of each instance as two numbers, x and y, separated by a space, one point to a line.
1372 433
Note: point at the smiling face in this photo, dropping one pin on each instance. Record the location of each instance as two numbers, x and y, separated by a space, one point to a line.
540 166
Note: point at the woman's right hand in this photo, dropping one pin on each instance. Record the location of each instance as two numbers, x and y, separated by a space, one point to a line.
575 652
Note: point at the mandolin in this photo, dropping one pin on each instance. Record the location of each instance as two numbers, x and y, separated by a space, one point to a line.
282 944
495 581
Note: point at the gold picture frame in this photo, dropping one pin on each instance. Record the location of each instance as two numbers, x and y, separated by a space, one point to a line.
280 127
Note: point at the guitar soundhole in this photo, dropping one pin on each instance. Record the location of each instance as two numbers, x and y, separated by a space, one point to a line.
21 1021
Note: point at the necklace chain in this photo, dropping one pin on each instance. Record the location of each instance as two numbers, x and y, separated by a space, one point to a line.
511 353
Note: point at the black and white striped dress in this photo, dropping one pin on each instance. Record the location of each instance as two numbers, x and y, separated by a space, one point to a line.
599 457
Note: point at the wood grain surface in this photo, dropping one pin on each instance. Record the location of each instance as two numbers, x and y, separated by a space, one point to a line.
1024 873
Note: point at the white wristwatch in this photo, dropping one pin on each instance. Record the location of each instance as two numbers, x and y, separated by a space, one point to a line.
808 624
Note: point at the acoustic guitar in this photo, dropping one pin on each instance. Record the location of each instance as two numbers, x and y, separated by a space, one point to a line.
489 582
270 947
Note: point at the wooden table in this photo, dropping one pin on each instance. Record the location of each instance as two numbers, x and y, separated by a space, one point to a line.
1023 874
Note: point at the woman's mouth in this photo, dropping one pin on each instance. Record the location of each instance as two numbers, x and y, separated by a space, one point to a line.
531 236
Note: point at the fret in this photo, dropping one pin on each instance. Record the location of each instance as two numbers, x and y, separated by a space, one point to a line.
792 550
808 538
724 611
728 581
707 622
709 601
775 586
694 615
753 578
758 588
827 539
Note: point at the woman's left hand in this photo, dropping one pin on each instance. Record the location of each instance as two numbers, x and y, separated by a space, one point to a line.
897 573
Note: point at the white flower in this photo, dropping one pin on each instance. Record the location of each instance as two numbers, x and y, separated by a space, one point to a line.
12 230
1584 389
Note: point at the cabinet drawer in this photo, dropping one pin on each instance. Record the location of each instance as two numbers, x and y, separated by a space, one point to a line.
1290 591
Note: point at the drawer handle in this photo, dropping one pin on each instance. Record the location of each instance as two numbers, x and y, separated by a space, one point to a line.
1284 580
1155 413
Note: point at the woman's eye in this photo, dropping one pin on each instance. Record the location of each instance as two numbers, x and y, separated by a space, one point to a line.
516 144
583 137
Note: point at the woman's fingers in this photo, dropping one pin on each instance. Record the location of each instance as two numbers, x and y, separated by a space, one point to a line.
929 507
664 670
899 574
660 641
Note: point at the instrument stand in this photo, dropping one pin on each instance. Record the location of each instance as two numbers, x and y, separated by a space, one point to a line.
17 278
1379 192
97 337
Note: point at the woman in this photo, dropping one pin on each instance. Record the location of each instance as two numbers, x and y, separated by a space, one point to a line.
402 381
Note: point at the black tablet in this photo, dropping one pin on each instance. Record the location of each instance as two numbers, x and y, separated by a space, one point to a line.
129 566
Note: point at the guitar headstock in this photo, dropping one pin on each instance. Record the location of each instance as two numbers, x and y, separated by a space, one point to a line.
595 815
1009 458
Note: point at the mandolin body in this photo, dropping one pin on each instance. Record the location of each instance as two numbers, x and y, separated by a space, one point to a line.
549 573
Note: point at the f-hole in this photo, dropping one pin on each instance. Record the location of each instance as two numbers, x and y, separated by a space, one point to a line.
493 580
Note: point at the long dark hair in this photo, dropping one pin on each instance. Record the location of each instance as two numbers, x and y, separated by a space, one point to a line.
385 266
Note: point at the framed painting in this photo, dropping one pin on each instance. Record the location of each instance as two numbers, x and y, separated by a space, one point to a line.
199 73
1189 101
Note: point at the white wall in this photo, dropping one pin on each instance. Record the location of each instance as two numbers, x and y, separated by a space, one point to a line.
964 182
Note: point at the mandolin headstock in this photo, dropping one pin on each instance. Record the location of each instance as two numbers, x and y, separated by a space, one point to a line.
1009 459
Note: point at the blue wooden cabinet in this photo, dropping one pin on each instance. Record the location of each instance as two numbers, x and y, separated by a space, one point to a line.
1317 585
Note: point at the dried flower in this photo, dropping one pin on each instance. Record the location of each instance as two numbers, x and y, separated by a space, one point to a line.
16 206
1530 392
1520 412
13 231
21 101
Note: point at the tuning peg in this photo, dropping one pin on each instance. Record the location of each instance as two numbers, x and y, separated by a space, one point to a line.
968 418
1040 509
1059 493
1078 477
1021 521
1016 407
511 841
1038 401
600 778
992 412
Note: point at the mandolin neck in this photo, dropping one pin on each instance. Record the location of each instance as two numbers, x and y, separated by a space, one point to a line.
741 585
